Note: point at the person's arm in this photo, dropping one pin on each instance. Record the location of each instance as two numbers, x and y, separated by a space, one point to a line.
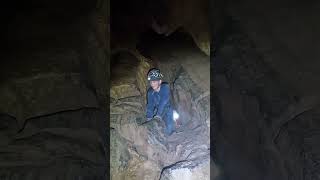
150 105
164 99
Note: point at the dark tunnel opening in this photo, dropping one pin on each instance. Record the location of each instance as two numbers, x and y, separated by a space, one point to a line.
150 37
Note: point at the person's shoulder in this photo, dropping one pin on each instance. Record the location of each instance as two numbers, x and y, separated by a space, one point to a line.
165 86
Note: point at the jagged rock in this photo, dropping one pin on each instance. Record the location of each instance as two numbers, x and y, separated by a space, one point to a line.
124 90
123 73
140 168
119 154
188 77
156 133
187 170
128 74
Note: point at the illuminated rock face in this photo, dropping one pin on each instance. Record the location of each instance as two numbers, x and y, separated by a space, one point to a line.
150 151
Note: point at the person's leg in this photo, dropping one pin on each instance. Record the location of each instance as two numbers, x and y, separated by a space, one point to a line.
170 125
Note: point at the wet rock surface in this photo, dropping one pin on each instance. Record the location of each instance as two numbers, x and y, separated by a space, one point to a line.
147 143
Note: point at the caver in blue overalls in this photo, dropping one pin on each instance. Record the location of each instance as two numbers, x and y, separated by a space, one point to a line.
158 102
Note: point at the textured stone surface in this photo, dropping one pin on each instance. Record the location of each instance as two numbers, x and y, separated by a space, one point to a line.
262 118
44 94
119 154
192 16
128 72
185 170
150 150
53 88
54 140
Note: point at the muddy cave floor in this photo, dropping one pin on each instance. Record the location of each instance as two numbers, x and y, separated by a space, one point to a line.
185 67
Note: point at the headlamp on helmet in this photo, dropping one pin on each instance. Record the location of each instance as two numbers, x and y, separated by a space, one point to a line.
154 75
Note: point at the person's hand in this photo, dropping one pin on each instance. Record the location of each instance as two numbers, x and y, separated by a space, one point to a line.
157 117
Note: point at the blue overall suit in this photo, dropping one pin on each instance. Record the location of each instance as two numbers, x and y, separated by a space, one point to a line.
158 104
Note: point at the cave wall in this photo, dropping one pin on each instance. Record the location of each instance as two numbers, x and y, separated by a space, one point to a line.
265 90
285 32
143 151
53 91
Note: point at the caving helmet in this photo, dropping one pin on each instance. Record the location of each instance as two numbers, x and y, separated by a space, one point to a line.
154 75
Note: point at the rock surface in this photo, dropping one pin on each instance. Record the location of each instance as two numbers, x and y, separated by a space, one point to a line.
164 17
262 121
150 150
185 170
28 97
192 16
53 94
